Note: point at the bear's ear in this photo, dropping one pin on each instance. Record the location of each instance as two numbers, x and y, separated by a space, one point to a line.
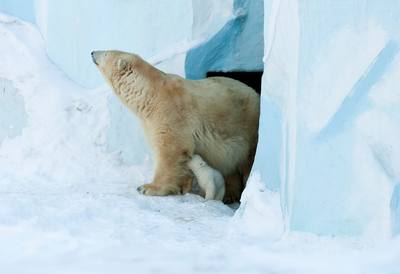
122 64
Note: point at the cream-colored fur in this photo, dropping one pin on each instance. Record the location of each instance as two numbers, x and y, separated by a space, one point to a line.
209 179
216 118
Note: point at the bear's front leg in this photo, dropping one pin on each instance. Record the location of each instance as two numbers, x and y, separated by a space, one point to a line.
172 176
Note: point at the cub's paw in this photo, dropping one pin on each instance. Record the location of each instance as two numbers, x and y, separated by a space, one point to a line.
157 190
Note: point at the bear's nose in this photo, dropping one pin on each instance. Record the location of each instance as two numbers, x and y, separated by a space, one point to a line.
94 57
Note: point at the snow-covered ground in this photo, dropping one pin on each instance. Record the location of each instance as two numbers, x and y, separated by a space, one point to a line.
68 206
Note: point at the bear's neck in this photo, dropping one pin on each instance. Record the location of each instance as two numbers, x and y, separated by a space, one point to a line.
137 88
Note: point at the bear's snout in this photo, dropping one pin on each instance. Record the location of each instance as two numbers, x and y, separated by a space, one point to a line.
94 57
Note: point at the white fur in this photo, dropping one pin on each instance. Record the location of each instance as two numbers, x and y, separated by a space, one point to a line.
209 179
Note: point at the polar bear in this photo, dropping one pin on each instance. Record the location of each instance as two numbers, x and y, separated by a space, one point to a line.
210 180
216 118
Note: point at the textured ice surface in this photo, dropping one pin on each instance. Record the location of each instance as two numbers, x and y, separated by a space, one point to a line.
75 28
237 46
72 29
395 207
329 133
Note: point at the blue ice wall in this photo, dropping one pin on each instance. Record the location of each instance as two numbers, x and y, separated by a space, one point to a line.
75 28
329 133
23 9
238 46
395 207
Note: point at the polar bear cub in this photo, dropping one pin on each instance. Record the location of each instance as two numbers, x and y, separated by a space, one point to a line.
209 179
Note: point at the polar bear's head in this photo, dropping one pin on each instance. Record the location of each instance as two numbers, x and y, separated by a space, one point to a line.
132 79
114 64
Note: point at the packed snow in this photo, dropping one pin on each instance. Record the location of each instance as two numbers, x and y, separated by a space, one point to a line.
67 205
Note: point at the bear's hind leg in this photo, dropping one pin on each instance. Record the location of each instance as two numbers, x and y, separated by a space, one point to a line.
233 188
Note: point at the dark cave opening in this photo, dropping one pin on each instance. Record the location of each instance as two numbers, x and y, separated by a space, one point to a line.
250 78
